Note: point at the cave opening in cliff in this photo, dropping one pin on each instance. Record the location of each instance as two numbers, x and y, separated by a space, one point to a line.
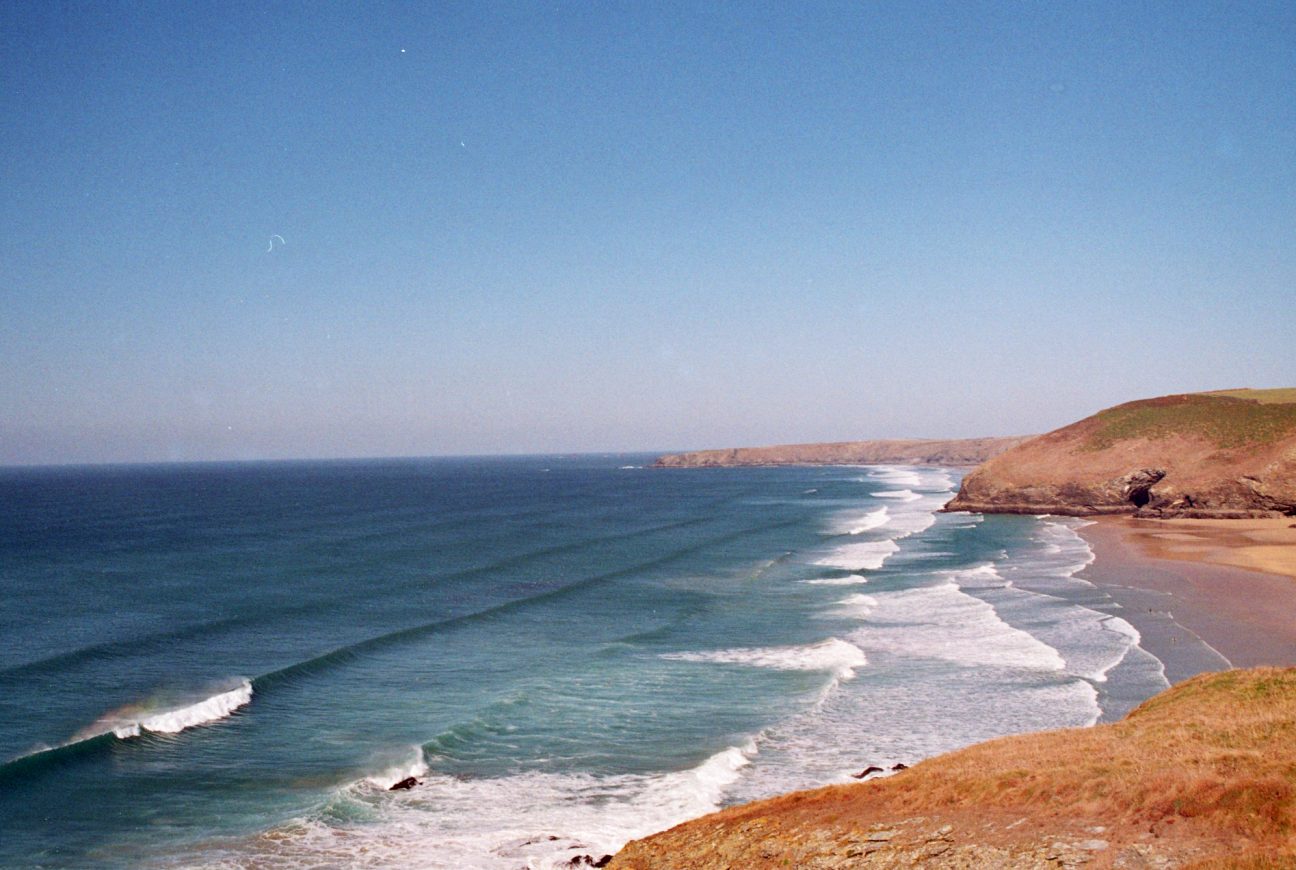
1140 496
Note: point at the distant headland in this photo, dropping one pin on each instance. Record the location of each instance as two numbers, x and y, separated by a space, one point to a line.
919 451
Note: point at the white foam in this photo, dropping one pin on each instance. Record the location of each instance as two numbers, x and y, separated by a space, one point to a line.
942 622
899 476
535 820
414 764
857 606
898 494
916 714
939 481
833 655
849 580
865 555
1131 637
1036 587
854 523
135 719
1059 538
982 576
912 523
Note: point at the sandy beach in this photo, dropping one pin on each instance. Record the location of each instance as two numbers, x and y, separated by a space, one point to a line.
1205 594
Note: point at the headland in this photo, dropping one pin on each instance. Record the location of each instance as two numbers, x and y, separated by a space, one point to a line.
952 452
1229 455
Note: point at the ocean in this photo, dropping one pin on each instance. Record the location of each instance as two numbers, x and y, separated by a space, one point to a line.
228 665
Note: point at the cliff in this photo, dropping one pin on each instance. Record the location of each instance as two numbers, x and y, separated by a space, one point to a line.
964 451
1201 775
1224 454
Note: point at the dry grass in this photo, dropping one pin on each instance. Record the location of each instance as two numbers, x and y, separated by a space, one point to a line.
1282 395
1224 420
1221 745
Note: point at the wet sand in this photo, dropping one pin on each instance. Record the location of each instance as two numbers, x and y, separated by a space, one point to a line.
1267 545
1178 583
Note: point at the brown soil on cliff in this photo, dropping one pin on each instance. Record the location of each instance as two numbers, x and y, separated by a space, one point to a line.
1202 775
1196 455
949 452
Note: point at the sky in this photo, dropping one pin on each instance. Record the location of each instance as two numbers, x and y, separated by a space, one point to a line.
275 230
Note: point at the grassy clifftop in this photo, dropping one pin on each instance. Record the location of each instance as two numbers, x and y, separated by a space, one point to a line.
1202 775
1238 419
1230 453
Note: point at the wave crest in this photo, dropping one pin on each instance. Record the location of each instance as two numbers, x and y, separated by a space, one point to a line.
833 655
132 721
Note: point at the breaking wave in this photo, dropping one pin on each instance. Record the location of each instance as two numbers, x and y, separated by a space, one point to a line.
866 555
132 721
833 655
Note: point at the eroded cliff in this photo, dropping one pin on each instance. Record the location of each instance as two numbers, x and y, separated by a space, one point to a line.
1227 454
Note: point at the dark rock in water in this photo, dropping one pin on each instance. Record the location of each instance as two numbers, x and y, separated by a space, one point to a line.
900 766
588 861
866 771
407 782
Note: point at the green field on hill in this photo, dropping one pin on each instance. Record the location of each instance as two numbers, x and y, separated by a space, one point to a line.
1229 418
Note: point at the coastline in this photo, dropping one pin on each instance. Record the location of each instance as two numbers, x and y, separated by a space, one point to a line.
1179 584
1161 769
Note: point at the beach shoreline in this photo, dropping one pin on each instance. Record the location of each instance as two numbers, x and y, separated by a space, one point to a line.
1181 584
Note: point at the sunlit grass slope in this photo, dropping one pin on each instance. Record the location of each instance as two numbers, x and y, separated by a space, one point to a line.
1236 419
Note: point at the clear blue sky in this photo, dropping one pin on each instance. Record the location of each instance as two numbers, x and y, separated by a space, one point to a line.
514 227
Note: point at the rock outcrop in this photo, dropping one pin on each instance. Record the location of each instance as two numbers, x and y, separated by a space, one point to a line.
948 452
1197 455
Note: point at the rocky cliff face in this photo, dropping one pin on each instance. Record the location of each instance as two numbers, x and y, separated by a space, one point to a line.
1196 455
955 452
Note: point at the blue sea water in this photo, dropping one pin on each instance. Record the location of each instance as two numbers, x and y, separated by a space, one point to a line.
229 665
